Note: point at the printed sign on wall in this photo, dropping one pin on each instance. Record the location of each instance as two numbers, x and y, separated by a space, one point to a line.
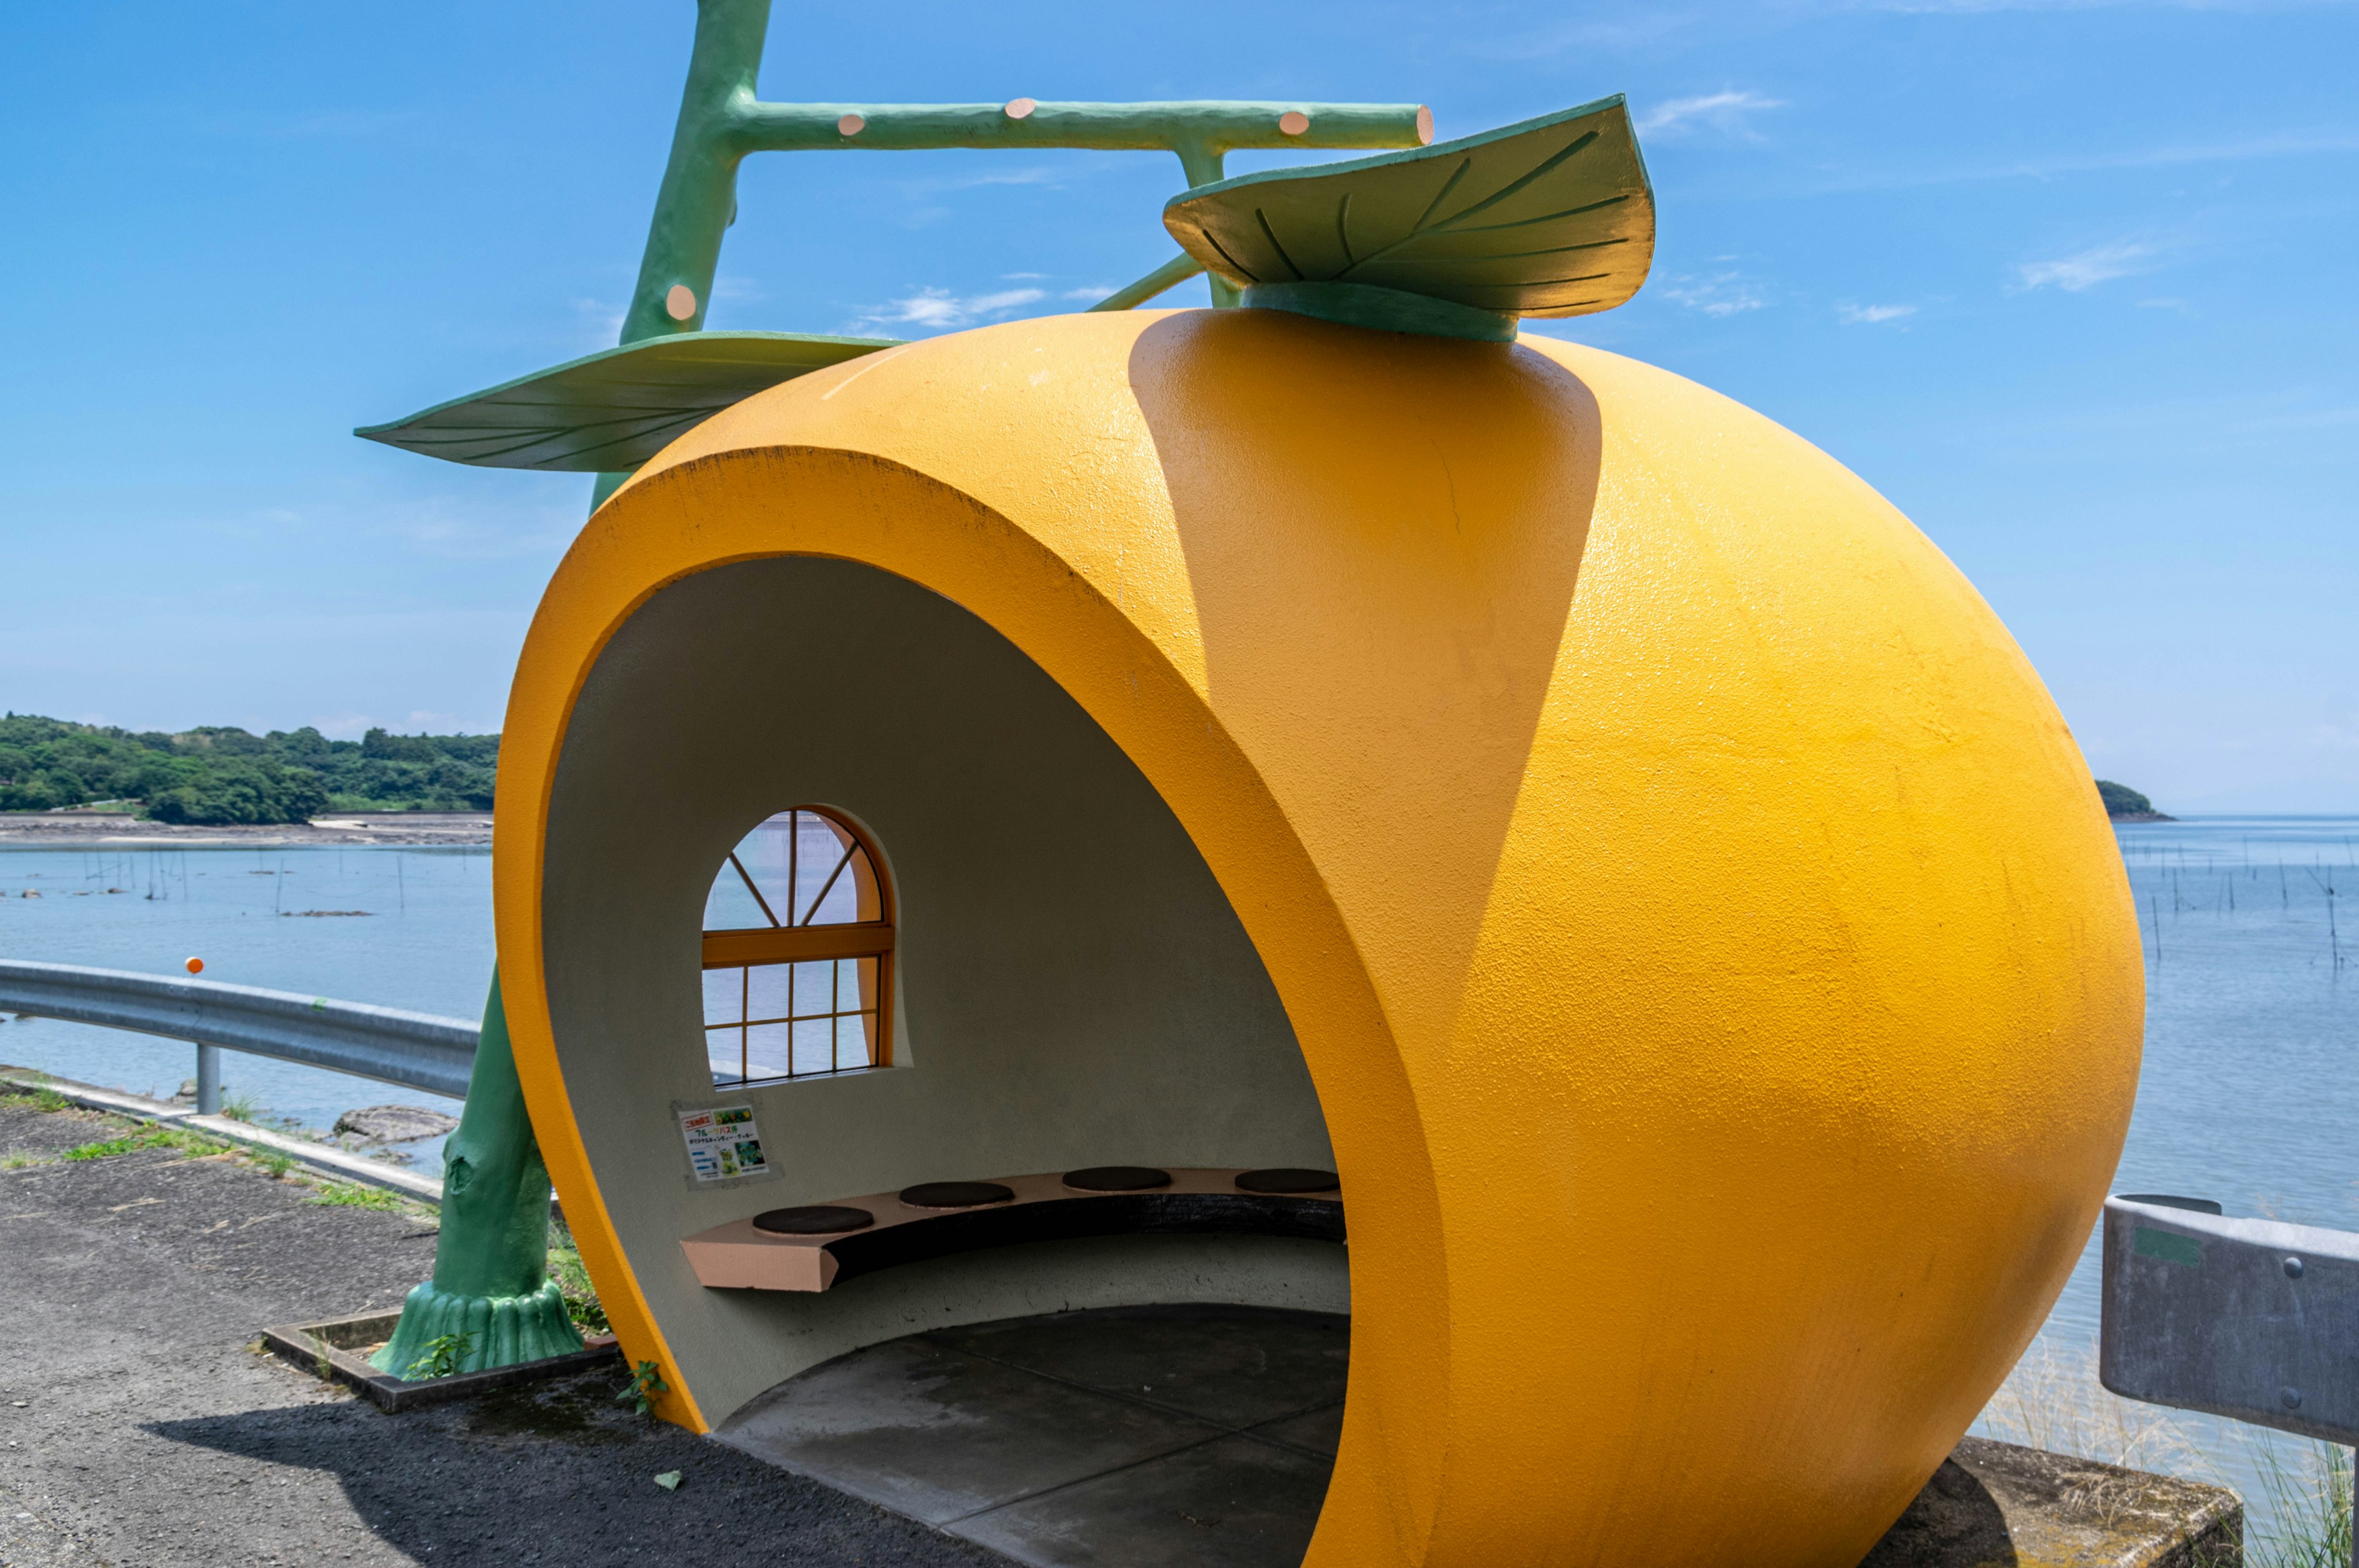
724 1143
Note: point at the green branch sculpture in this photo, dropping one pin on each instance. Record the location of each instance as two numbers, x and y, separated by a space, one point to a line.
1553 217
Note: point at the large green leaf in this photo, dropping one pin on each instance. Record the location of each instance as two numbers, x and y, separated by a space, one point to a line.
1553 217
612 411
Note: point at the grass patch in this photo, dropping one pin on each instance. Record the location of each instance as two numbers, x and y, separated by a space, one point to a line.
2310 1499
19 1162
190 1144
350 1194
241 1108
39 1099
572 1279
131 1143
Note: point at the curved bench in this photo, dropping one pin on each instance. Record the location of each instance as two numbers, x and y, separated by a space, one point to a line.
742 1256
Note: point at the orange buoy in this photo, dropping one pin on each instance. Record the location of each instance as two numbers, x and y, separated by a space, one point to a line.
196 966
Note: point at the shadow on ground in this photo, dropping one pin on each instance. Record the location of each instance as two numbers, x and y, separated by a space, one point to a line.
560 1473
1143 1436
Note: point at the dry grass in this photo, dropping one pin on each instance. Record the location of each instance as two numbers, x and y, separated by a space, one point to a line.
2052 1401
2301 1518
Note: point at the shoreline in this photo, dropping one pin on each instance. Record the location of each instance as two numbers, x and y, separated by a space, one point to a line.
108 830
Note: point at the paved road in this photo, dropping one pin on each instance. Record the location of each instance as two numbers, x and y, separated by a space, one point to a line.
138 1428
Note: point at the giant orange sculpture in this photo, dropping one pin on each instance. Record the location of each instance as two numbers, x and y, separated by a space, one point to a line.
1684 915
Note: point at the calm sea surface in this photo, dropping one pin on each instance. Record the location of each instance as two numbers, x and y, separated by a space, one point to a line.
423 941
2249 1093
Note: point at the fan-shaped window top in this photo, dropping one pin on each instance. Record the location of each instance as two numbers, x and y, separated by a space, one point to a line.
798 953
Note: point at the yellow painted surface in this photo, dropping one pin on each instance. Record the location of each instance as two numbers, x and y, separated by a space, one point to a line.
1715 966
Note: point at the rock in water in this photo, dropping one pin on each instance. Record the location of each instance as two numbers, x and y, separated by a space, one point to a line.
395 1124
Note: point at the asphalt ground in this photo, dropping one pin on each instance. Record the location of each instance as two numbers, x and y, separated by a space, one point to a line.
139 1426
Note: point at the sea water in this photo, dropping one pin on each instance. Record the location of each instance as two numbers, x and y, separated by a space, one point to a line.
398 927
2250 928
2246 1095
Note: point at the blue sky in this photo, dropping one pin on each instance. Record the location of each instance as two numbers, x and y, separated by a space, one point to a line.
2072 284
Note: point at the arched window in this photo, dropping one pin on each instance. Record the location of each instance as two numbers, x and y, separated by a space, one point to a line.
798 953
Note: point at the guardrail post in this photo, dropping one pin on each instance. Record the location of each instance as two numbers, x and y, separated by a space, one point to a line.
491 1261
208 1080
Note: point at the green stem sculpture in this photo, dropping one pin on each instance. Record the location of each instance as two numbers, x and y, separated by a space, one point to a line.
490 1277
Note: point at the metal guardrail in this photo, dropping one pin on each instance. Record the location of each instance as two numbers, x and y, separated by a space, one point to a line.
415 1050
2251 1319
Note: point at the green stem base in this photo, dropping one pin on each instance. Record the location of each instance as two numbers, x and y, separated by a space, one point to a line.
1385 310
507 1330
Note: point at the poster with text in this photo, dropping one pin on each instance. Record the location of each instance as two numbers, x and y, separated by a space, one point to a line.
722 1144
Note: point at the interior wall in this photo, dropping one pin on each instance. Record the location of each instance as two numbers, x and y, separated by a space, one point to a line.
1072 987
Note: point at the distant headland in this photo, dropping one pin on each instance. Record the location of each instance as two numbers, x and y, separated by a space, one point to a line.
2124 804
218 775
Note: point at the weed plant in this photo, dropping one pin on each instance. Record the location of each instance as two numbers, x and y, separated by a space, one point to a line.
640 1392
572 1279
445 1353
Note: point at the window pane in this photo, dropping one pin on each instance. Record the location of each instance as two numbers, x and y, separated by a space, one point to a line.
855 1039
729 907
814 1045
768 854
765 991
859 992
723 990
767 1054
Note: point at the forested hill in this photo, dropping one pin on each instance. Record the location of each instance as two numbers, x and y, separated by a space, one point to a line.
219 775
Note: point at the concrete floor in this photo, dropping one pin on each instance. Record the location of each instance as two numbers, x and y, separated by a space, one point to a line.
1137 1436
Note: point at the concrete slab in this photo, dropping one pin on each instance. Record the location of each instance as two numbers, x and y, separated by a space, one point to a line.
940 1436
1319 1432
1145 1436
1996 1503
1237 1366
1234 1502
335 1350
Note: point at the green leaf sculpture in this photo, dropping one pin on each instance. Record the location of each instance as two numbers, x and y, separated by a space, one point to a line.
1551 216
613 410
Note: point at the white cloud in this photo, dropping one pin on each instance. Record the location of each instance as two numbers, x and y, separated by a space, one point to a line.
1092 294
1871 315
940 310
344 726
600 323
1722 111
1722 294
2086 270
